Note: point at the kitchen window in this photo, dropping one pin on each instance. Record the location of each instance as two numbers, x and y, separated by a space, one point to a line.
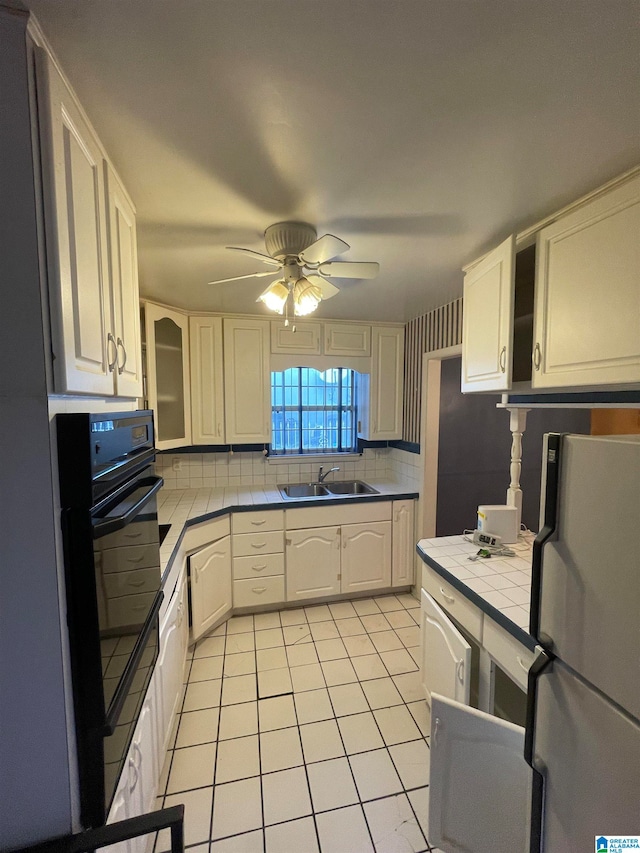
313 412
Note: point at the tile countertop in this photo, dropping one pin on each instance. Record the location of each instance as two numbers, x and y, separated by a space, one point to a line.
182 507
499 586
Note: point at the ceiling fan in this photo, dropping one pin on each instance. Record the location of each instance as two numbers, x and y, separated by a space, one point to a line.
304 267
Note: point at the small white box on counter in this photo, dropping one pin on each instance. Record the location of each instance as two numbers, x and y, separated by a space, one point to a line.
500 520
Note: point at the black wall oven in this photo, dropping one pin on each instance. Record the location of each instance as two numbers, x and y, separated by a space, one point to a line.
108 494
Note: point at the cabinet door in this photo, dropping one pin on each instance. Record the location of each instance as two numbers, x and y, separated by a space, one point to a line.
487 321
169 671
207 396
403 555
587 301
168 389
445 654
125 296
347 339
211 596
381 391
120 811
313 562
479 785
304 340
143 768
247 381
75 220
366 556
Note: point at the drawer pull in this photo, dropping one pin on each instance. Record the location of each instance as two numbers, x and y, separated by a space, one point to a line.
460 671
258 589
136 583
522 663
259 568
448 598
136 559
259 523
258 544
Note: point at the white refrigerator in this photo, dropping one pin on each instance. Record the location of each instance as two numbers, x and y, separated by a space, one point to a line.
572 775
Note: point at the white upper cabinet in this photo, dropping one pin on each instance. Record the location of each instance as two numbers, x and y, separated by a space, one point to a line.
123 257
347 339
487 321
247 381
92 265
77 265
587 299
299 338
381 390
168 386
207 380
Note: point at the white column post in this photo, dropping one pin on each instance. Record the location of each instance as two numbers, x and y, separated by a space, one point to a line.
517 425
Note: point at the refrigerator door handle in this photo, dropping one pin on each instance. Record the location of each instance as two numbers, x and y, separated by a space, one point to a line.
554 448
538 667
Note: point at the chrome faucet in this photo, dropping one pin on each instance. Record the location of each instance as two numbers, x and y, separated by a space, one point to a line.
322 477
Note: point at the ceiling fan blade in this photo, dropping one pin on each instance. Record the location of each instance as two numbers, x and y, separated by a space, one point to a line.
326 288
240 277
326 247
266 259
356 269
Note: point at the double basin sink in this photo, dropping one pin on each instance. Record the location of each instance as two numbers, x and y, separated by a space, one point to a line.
336 489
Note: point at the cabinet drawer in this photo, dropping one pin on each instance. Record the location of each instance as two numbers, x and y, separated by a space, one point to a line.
140 533
129 609
256 522
253 593
130 583
202 534
456 605
510 655
126 559
335 514
260 565
248 544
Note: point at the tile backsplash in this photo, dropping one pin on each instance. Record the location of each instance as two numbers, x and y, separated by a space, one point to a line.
217 470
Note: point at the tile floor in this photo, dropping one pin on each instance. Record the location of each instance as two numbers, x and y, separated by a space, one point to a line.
304 731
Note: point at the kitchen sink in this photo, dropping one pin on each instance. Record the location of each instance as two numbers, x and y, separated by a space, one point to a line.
304 490
351 487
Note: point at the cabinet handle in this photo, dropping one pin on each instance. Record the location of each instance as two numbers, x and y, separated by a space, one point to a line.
460 671
537 356
112 340
259 568
119 344
258 589
136 583
258 544
503 359
522 663
136 559
132 767
258 523
219 433
448 598
179 615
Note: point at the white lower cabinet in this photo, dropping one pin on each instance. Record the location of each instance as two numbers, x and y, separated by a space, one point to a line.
366 556
403 553
169 671
445 661
313 563
211 589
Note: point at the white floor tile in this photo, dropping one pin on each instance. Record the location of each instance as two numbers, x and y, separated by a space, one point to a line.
365 607
205 669
243 663
344 830
192 767
369 666
393 826
262 621
330 649
350 627
375 774
415 654
297 634
198 727
293 837
338 672
331 784
410 637
197 813
410 686
388 602
308 677
269 638
313 706
237 807
302 654
276 713
324 631
396 724
271 658
398 661
237 643
237 759
381 693
239 625
360 733
412 763
409 601
321 741
248 842
274 682
280 750
202 694
293 617
419 799
318 613
285 795
238 720
239 688
210 646
421 713
342 610
374 623
400 619
358 646
348 699
386 641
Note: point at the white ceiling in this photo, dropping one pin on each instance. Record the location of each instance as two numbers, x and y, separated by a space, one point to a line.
422 132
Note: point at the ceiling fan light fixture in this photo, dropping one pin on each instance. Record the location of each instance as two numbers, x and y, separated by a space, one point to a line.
306 297
275 296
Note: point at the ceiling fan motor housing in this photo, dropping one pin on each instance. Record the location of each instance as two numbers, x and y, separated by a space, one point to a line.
286 239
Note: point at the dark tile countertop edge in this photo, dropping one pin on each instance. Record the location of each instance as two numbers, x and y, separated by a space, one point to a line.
273 505
491 611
